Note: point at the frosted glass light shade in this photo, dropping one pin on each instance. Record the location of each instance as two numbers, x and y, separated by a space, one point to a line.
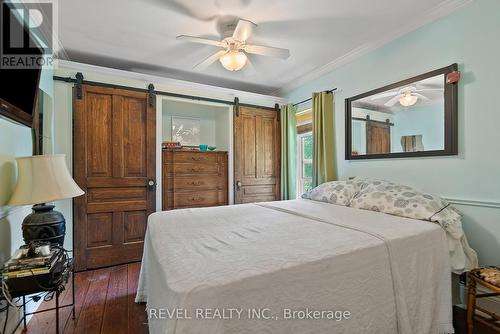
408 100
233 60
42 179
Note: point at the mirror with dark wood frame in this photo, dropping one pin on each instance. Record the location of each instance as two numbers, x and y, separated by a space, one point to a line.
415 117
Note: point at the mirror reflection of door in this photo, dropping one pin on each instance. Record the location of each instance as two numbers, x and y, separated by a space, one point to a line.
378 138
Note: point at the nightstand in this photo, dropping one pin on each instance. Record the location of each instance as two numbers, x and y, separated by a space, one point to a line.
49 285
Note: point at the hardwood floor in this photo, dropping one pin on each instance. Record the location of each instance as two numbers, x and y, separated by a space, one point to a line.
104 304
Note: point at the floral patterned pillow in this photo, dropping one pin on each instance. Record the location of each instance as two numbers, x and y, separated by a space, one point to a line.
396 199
335 192
404 201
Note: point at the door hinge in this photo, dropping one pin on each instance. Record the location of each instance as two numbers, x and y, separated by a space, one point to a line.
237 106
79 82
151 95
278 111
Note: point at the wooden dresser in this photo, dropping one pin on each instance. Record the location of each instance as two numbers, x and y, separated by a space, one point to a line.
194 179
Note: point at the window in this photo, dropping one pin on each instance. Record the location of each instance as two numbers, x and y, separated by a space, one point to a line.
304 159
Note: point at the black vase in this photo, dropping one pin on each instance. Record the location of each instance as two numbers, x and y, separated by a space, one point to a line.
44 224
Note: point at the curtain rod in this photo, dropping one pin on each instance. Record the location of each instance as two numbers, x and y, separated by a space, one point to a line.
309 99
143 90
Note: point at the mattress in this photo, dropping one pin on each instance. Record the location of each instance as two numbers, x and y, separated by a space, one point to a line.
296 266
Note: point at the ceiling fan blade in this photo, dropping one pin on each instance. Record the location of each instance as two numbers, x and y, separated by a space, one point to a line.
425 98
248 69
392 101
267 51
210 60
243 30
200 40
180 8
382 95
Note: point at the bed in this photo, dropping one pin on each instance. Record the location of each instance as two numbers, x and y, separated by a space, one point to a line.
268 267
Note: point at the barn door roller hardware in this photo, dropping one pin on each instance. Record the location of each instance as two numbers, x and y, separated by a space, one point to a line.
151 95
79 82
237 106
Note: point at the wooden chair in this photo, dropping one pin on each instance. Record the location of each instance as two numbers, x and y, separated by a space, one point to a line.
493 321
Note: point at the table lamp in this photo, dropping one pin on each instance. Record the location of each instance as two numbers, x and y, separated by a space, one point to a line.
43 179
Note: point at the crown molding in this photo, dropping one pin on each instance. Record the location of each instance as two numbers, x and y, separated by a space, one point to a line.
115 76
442 10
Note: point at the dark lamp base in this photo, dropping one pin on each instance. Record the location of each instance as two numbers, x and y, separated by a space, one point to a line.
44 224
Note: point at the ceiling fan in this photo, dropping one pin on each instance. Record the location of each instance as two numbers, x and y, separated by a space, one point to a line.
233 55
406 96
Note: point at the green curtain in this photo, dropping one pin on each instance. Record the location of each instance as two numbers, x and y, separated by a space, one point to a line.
288 151
324 155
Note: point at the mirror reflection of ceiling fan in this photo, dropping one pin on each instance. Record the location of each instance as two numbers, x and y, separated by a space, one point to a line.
233 55
406 96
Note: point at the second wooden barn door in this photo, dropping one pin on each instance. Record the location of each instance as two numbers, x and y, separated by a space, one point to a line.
114 159
256 155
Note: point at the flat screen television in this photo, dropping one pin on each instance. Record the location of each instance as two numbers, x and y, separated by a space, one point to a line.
19 88
18 94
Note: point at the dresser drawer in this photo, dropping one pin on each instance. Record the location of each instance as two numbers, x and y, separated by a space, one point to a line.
194 157
193 168
195 198
194 182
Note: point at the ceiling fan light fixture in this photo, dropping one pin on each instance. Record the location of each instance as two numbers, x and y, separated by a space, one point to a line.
233 60
408 100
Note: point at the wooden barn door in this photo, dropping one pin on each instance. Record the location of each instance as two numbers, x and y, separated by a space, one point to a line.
114 159
378 138
256 155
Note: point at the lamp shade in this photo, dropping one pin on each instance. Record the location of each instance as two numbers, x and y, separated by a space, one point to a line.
42 179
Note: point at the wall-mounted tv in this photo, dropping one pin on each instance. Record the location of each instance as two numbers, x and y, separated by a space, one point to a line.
19 86
18 93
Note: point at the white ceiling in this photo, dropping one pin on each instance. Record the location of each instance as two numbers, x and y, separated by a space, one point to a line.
139 35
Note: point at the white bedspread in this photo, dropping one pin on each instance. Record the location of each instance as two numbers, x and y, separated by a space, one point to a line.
391 274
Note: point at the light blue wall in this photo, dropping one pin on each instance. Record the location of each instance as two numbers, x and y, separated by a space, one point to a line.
427 121
15 141
469 37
